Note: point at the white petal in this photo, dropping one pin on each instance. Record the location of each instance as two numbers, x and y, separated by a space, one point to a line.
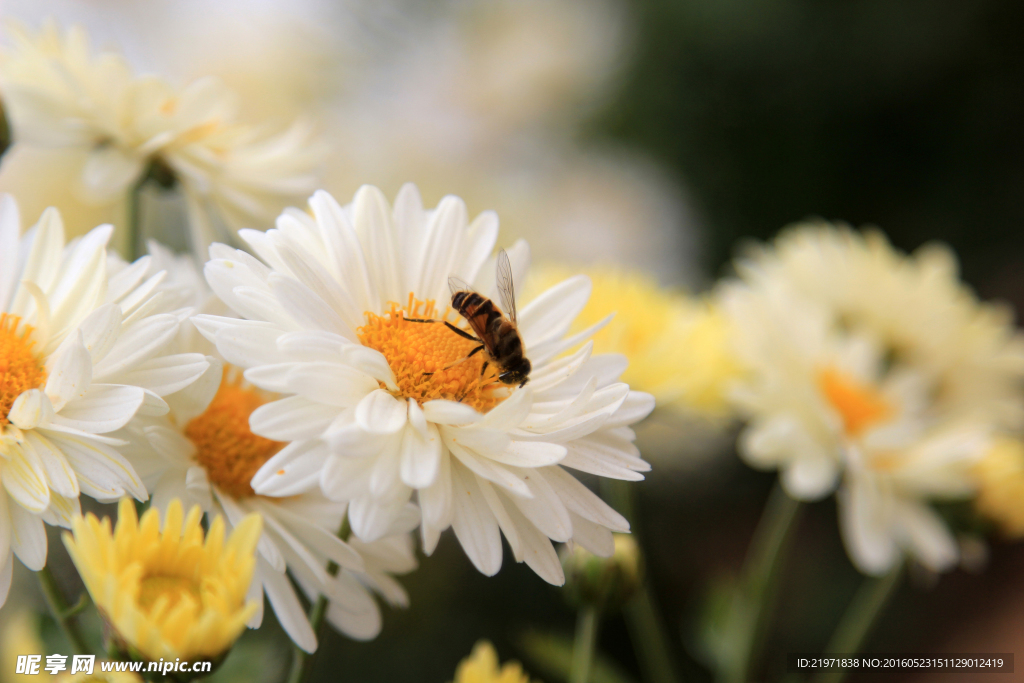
362 626
59 475
582 501
420 457
636 407
70 373
344 247
103 408
474 525
333 294
495 502
194 399
552 313
43 261
167 374
372 221
292 418
24 479
483 235
381 413
436 504
137 343
487 469
28 538
62 511
102 472
108 173
810 478
344 478
328 383
538 553
306 308
287 607
595 538
10 230
545 509
316 537
449 412
249 345
292 470
438 257
100 331
530 454
929 539
865 529
370 518
30 409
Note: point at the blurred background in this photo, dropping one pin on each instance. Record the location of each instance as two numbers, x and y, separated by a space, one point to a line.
655 134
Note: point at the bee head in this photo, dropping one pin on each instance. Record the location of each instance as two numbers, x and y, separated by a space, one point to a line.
517 374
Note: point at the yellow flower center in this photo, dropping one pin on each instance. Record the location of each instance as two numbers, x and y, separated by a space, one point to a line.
225 446
429 360
168 590
859 405
20 369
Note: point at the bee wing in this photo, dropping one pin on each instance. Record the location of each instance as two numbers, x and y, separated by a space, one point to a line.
456 285
506 288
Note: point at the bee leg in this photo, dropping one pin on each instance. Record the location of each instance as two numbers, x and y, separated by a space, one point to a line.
420 320
463 360
483 368
462 333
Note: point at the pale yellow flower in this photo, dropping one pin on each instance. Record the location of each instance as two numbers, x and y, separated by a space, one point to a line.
173 593
1000 477
20 636
114 127
678 346
874 374
482 666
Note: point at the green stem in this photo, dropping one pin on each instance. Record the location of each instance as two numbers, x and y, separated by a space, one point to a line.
861 615
583 648
302 662
646 627
64 614
755 597
647 632
136 240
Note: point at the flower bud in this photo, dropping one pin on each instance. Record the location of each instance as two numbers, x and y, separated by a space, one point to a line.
603 582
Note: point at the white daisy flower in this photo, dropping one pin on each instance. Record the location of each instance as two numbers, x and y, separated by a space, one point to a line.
838 392
81 352
203 452
378 406
59 95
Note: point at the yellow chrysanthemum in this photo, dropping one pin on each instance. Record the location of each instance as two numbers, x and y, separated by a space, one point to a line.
677 345
172 593
482 667
1000 478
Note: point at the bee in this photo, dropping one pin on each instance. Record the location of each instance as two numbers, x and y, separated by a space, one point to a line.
496 335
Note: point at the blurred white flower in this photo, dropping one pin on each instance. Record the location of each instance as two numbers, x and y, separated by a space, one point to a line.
855 357
59 95
500 89
204 453
81 353
379 407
